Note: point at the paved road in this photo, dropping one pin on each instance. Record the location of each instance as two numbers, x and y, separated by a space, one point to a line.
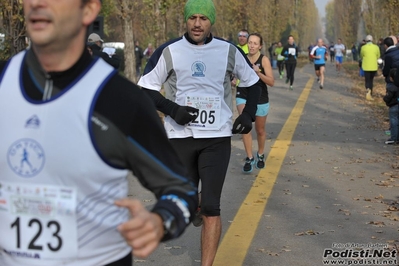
329 179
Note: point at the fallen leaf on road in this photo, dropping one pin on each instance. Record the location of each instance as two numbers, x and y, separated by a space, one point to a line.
346 212
309 232
395 218
387 173
378 223
273 254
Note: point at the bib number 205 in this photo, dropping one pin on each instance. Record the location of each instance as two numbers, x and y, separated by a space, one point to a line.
54 226
205 117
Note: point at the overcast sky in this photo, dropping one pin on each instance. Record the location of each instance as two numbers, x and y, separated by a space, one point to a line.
321 6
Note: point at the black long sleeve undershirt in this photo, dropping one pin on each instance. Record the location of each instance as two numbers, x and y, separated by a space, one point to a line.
163 105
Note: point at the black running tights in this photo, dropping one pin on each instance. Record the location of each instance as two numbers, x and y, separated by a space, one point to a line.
290 68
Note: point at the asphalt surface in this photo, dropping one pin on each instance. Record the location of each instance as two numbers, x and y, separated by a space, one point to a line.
338 183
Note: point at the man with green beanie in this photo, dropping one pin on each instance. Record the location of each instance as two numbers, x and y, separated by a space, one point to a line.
195 72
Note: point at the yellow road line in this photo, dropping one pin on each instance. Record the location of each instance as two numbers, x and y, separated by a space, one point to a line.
238 238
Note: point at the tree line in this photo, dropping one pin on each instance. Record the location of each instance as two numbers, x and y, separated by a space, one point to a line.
157 21
352 20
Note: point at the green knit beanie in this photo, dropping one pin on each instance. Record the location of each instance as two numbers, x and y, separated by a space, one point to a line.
203 7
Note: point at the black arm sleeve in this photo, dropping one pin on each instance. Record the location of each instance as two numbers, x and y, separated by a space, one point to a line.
164 105
136 140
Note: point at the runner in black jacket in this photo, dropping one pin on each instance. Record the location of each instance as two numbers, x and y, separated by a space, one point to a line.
290 52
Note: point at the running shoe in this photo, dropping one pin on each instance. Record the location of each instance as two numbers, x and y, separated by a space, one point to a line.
248 166
281 76
260 162
390 142
321 87
197 221
291 87
368 95
318 79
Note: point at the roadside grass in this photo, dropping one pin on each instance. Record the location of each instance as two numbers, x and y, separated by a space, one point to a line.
302 61
378 106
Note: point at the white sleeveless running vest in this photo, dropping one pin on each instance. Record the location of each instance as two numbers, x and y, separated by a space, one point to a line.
56 193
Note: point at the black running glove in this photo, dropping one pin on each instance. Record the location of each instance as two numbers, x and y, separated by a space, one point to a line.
184 114
243 124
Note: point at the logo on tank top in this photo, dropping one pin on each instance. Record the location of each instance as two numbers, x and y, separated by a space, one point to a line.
26 157
198 69
33 122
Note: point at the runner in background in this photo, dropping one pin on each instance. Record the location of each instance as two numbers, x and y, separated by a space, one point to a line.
280 59
320 56
332 52
263 69
290 52
339 50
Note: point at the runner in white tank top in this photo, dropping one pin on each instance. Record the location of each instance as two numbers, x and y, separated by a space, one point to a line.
65 155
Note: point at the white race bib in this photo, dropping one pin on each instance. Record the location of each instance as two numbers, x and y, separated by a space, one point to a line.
38 221
209 112
280 57
292 51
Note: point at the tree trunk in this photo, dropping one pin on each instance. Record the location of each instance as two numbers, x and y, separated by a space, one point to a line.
130 71
125 11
